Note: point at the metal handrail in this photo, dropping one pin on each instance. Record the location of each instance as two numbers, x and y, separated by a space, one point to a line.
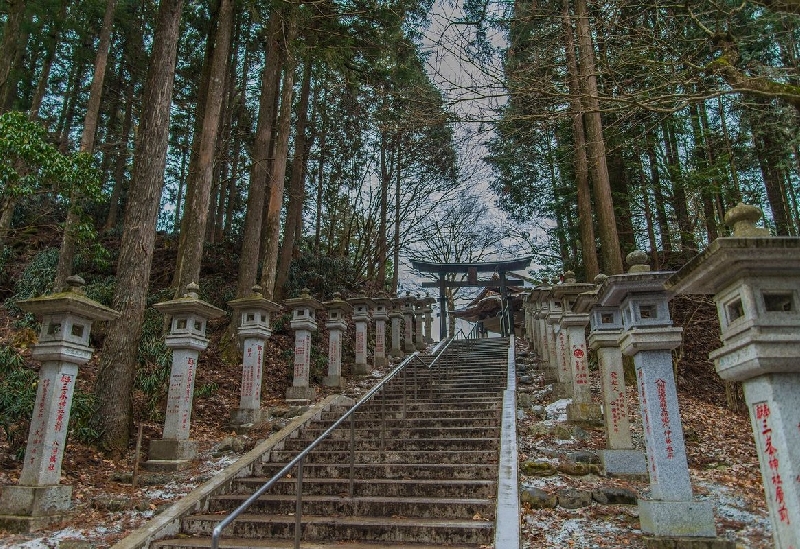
299 458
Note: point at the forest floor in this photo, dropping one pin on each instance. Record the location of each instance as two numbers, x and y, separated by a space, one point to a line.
720 448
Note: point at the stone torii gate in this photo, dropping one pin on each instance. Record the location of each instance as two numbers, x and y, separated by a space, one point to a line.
470 272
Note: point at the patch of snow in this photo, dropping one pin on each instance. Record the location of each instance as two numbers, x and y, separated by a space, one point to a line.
558 409
47 542
732 507
542 482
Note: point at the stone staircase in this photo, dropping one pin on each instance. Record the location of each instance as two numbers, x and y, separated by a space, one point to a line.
424 467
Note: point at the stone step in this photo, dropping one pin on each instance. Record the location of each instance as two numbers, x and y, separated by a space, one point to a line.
394 420
490 401
401 471
421 445
227 543
375 506
319 528
426 404
389 456
414 415
407 432
384 487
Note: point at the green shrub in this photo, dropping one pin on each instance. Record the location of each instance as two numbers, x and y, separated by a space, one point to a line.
155 363
102 290
84 423
17 398
322 275
35 280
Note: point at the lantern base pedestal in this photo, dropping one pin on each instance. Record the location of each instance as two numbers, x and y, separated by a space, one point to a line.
168 455
333 381
562 390
687 543
624 463
676 518
244 419
300 395
584 412
30 508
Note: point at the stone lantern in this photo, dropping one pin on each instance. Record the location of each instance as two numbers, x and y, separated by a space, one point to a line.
253 313
755 280
427 309
419 321
382 305
63 345
407 308
362 306
542 310
396 317
336 324
648 336
619 458
531 307
187 338
304 309
573 326
557 344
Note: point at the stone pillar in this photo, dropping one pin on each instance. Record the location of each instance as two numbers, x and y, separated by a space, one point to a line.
531 307
541 308
573 325
755 280
253 314
336 325
619 458
380 313
648 336
396 316
407 308
428 310
419 322
304 322
559 359
361 308
63 345
187 338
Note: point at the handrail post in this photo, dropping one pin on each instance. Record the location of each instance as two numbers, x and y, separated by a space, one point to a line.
383 418
352 454
404 394
298 505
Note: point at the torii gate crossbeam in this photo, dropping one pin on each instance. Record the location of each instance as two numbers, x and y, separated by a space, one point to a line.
471 270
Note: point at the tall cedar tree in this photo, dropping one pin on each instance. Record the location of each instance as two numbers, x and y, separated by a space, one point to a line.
118 357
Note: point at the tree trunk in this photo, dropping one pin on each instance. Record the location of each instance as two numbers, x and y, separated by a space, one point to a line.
622 204
66 254
12 45
771 173
604 204
259 171
680 202
648 216
385 180
585 218
47 64
277 178
396 235
118 175
297 185
702 166
198 195
118 357
658 195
